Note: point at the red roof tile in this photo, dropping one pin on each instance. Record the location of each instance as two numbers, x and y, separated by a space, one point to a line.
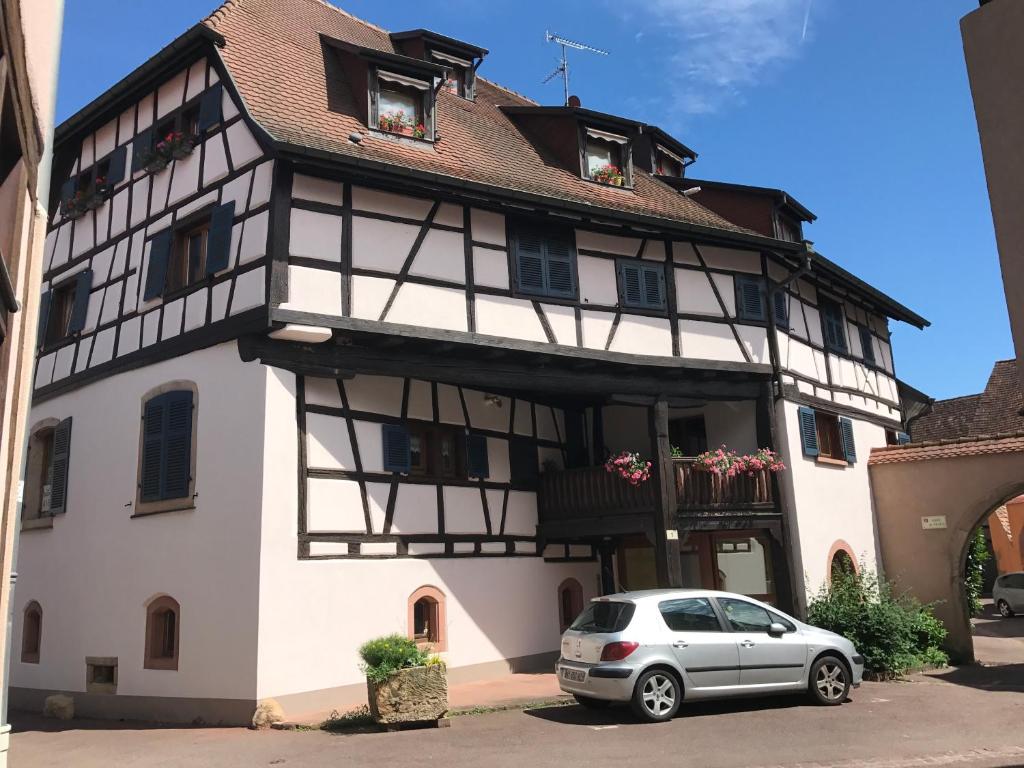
997 410
948 449
273 51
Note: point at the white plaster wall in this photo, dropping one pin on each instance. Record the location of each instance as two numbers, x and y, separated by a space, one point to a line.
96 569
826 502
335 605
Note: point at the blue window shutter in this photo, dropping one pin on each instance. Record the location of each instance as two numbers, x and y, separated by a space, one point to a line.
177 444
749 305
142 146
529 262
151 474
396 448
849 449
476 456
808 431
630 284
116 165
209 108
44 318
654 287
780 305
60 463
558 268
867 345
81 306
159 256
902 438
218 244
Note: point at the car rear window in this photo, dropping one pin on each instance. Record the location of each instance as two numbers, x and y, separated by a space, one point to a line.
604 617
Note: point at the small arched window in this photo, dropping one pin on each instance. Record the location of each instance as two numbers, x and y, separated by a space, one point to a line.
163 630
841 561
31 633
570 602
427 623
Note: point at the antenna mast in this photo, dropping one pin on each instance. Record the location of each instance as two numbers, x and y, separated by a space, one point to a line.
563 65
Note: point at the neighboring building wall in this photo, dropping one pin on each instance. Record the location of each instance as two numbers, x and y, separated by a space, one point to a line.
94 571
827 503
115 240
1006 525
991 36
502 611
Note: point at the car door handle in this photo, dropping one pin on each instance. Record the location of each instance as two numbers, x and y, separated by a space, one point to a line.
748 643
680 644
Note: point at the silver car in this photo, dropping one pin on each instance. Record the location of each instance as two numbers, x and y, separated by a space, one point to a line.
656 647
1008 594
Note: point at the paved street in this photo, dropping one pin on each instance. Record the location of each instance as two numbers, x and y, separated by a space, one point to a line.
960 717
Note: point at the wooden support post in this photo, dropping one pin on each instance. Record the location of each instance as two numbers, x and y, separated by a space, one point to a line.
666 547
767 437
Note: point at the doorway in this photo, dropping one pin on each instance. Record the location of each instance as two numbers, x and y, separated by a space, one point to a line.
732 561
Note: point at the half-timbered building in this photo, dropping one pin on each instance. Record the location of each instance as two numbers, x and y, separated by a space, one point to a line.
339 335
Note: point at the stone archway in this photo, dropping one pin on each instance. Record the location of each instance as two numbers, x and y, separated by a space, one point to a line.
929 497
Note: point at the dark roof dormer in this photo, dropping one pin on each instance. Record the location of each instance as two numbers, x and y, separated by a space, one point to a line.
770 212
659 153
459 58
593 145
392 93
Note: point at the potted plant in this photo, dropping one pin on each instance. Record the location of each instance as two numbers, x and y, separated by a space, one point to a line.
405 683
609 174
86 199
725 462
175 146
630 466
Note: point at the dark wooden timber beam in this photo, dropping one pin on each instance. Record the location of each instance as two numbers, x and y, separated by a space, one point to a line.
666 546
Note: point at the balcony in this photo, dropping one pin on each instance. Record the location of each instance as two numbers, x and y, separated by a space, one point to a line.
591 494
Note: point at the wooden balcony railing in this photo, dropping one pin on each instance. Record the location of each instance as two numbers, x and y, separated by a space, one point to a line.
592 492
696 489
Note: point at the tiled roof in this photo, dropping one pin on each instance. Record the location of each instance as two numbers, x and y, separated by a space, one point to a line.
949 449
997 410
273 51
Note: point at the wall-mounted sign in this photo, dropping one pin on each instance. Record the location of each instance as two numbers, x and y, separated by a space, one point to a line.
933 522
672 534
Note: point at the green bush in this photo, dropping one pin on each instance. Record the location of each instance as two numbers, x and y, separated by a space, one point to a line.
383 656
893 632
974 570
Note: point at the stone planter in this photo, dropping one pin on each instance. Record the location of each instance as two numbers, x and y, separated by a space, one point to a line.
414 695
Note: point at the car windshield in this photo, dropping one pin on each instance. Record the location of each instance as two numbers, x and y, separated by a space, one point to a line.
604 617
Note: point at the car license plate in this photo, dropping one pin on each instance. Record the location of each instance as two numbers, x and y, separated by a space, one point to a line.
574 675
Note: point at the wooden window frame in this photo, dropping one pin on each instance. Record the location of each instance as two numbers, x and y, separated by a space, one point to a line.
431 437
832 312
427 104
830 438
570 588
144 508
625 151
155 656
867 342
62 300
179 262
31 651
438 639
661 153
546 235
644 268
92 685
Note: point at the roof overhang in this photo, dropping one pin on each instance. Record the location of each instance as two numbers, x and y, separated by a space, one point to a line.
588 116
436 39
781 197
668 142
141 80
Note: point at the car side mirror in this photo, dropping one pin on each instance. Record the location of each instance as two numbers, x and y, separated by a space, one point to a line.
777 629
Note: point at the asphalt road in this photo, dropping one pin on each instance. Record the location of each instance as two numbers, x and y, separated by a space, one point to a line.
971 716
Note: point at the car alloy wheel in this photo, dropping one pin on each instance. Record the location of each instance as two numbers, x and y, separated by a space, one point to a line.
1004 609
831 681
657 696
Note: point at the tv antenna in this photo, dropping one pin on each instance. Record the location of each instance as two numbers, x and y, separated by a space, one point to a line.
563 64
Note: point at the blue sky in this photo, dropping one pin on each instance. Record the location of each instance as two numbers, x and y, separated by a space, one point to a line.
861 111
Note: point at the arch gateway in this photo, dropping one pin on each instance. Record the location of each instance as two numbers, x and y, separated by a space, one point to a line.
929 497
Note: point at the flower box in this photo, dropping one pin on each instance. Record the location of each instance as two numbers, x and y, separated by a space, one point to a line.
608 174
410 695
401 124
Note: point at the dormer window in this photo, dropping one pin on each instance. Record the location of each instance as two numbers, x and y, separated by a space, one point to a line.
669 163
607 158
459 78
787 229
403 105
